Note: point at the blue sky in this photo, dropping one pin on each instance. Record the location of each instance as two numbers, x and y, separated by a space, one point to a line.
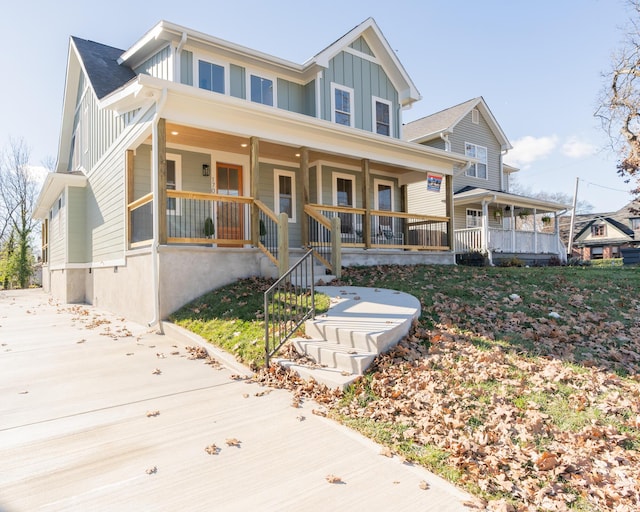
538 65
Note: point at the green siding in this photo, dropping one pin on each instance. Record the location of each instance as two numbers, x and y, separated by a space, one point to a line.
159 65
95 130
310 99
291 96
186 67
266 193
238 83
76 207
367 79
57 232
105 197
361 45
327 185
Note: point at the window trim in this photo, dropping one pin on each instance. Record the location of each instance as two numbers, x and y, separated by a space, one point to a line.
374 117
178 160
197 57
474 166
598 228
376 182
265 76
276 189
478 215
340 175
340 87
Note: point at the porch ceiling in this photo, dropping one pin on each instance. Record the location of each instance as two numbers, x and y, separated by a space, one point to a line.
197 138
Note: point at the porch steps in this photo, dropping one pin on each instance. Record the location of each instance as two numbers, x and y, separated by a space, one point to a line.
360 324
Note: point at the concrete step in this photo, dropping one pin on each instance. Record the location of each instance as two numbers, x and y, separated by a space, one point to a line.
371 334
334 355
330 377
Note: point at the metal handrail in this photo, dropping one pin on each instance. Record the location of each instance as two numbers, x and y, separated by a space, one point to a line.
288 303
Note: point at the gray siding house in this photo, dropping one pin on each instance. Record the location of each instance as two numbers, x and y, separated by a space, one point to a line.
488 218
186 162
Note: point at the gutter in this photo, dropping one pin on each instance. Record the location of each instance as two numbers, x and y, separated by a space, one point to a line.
155 187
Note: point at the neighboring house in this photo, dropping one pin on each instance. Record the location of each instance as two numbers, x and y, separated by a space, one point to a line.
603 235
487 217
187 162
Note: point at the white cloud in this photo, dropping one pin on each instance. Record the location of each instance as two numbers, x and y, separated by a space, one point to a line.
528 149
575 148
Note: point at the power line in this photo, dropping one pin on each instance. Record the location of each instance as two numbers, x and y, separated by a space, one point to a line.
602 186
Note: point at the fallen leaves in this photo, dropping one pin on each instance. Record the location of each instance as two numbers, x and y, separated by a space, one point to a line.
212 449
232 441
157 371
153 414
333 479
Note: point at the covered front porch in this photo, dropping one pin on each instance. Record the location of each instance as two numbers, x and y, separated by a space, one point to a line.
216 191
504 226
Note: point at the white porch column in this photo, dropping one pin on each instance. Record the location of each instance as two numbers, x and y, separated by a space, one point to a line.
485 228
535 232
513 228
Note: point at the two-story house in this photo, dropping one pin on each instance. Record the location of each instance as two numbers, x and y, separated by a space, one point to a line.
186 162
488 218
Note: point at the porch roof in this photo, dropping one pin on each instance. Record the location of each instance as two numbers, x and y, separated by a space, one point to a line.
198 108
469 195
52 187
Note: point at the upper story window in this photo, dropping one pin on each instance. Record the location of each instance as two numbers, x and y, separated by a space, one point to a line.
475 116
210 76
261 90
285 193
478 170
474 218
382 116
598 230
342 105
635 223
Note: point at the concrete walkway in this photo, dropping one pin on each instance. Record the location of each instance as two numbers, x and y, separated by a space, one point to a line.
99 414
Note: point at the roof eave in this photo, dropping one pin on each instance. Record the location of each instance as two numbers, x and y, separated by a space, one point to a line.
53 185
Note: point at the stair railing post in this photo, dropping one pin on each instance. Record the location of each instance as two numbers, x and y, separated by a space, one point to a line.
336 256
283 243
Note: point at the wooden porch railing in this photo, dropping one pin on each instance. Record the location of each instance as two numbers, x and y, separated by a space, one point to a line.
388 230
207 219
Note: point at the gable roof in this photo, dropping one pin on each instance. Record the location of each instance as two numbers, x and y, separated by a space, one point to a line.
383 52
100 63
618 225
445 121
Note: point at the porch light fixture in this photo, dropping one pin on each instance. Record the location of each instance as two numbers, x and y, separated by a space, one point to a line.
244 145
206 170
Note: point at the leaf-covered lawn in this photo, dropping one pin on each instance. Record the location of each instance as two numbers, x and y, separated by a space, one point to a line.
520 384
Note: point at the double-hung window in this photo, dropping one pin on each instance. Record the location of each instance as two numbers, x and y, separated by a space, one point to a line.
210 76
382 116
285 193
598 230
262 90
474 218
342 105
477 170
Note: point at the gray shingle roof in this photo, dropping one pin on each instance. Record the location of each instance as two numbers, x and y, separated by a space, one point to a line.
101 64
438 122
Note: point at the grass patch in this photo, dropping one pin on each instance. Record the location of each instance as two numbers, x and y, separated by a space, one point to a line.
232 317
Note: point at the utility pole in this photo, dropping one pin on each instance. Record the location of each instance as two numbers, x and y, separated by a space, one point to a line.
573 218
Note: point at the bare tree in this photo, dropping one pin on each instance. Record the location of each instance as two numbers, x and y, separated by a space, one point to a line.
18 192
558 197
619 103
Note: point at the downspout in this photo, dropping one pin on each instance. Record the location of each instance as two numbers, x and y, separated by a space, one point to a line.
447 145
178 59
155 188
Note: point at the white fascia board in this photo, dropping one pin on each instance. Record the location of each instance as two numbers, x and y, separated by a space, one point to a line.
166 31
52 187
